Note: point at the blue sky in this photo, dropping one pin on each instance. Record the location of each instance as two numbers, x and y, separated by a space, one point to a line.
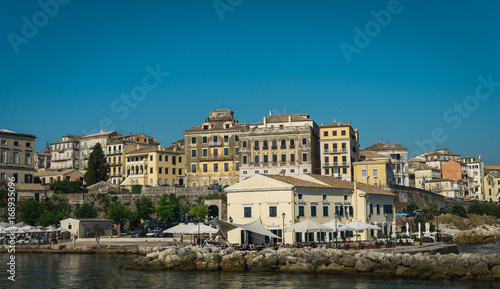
405 82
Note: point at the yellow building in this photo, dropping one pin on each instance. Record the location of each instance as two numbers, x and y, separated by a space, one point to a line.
118 147
339 146
154 166
426 174
306 196
48 177
491 185
444 187
376 173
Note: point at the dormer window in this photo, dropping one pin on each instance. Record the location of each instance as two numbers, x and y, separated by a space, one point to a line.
205 127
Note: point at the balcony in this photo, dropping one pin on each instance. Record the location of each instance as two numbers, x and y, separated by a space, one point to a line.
283 147
292 146
335 164
335 151
265 147
256 148
274 147
216 158
215 144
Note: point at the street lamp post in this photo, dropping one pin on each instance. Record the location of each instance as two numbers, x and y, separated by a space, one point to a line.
387 230
283 215
336 230
437 227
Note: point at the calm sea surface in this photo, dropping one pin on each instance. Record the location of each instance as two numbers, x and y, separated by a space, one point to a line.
100 271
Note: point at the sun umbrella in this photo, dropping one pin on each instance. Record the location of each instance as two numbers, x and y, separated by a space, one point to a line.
335 226
203 229
51 229
360 226
4 224
307 226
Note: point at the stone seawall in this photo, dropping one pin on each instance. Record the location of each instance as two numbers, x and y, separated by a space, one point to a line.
324 261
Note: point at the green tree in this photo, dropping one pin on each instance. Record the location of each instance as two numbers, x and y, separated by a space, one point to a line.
30 211
117 212
136 189
169 208
433 210
4 195
458 210
143 209
66 187
87 210
199 212
98 168
412 206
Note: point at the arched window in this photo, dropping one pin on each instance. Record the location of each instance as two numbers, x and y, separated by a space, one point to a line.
194 184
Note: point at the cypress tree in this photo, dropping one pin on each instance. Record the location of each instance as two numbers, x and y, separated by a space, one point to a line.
97 168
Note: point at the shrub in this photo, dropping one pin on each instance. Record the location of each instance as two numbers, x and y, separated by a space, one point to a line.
412 206
136 189
458 210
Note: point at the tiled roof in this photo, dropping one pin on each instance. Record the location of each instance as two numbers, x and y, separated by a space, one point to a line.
297 182
55 173
29 187
371 154
341 184
438 180
386 146
336 124
217 126
275 118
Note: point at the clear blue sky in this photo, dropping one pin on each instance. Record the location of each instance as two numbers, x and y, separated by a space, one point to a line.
401 83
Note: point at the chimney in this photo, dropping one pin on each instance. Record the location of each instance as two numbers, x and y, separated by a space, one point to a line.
289 119
159 147
334 120
321 124
265 121
103 131
270 112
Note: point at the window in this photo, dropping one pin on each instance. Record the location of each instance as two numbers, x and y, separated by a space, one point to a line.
180 171
256 159
159 157
216 167
70 226
292 158
204 152
346 197
166 170
301 211
236 138
193 140
387 209
266 159
226 151
325 146
205 168
216 152
150 170
325 133
292 171
325 211
304 141
375 172
334 133
247 212
27 159
275 146
216 138
4 142
16 143
275 158
244 144
205 127
378 209
323 197
264 144
173 160
273 212
283 158
371 209
237 166
256 145
226 167
244 159
193 168
327 171
150 157
313 210
159 170
16 157
292 143
28 144
226 126
301 196
237 151
363 173
304 157
204 139
343 132
226 138
193 153
281 126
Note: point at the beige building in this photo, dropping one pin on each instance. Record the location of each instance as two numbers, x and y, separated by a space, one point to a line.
48 177
154 166
17 156
212 150
491 185
398 156
475 175
339 146
444 187
42 160
81 227
282 143
118 147
306 196
426 174
374 170
437 158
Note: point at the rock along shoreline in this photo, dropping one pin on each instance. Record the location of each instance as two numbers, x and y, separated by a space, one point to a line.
323 261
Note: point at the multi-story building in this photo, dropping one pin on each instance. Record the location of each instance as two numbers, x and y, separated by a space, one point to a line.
454 170
415 163
65 154
373 169
426 174
212 150
281 201
87 143
42 160
17 157
491 170
154 166
444 187
282 143
339 146
118 147
437 158
475 175
491 185
398 156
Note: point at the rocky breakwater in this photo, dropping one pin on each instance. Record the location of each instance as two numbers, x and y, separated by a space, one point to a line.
323 261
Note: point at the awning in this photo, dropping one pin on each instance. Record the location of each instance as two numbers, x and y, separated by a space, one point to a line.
255 227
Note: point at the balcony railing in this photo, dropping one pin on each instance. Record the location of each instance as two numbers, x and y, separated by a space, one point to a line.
334 151
283 147
216 158
274 147
265 147
335 164
215 143
256 148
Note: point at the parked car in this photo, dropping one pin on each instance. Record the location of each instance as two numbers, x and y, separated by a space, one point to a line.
139 234
402 214
153 233
443 211
411 213
418 212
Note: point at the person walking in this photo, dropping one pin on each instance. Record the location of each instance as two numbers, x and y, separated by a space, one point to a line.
97 238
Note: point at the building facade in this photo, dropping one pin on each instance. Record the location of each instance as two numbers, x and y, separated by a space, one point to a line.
283 143
426 174
398 156
437 158
154 166
212 150
376 173
475 175
444 187
339 147
65 154
491 185
17 156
